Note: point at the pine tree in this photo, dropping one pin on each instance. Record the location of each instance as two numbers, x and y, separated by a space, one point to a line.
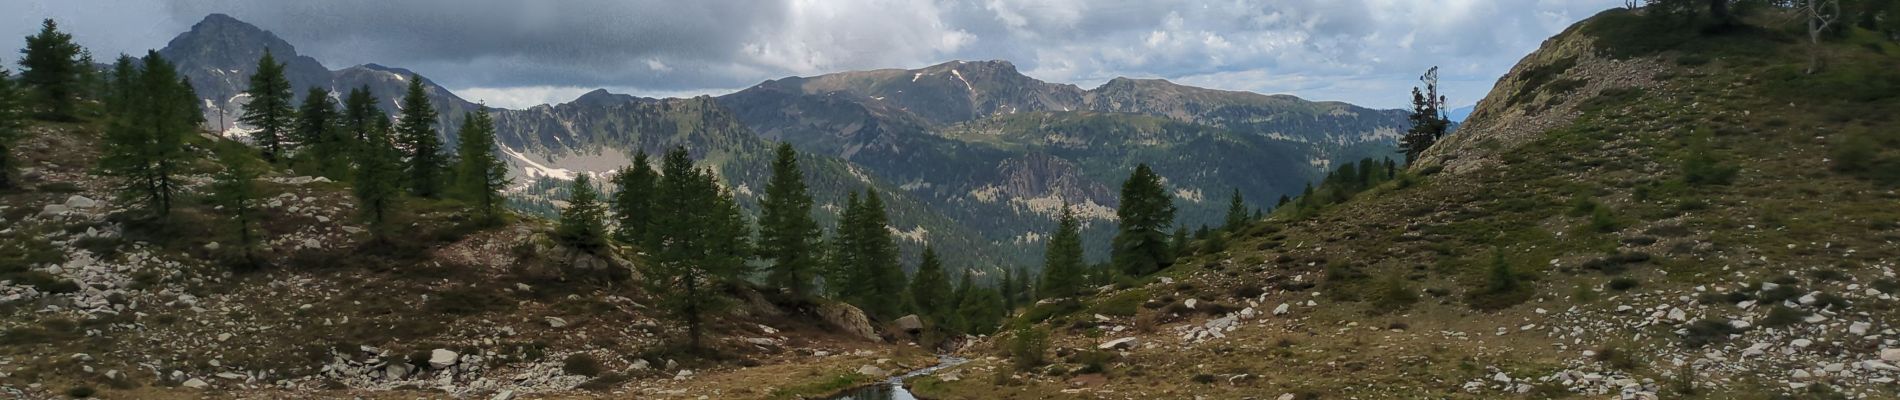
50 66
378 173
1140 246
582 224
633 202
153 111
417 134
12 126
1007 289
269 110
786 228
698 247
930 290
1062 265
320 128
840 254
480 175
233 189
1237 214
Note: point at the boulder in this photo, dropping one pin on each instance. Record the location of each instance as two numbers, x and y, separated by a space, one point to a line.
442 358
396 371
1281 310
872 371
505 394
556 322
1118 344
910 323
847 318
1890 355
196 383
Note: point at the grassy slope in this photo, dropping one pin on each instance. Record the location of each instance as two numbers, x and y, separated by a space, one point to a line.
1786 216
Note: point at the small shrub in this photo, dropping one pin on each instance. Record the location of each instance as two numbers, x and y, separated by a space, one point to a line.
1602 221
1708 331
1120 305
1203 379
1616 358
59 187
1393 295
1502 288
1782 316
1623 284
1701 167
581 364
1027 347
80 392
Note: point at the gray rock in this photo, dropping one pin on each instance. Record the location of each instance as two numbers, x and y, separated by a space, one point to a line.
78 201
1281 310
872 371
910 323
849 319
442 358
1890 355
196 383
505 394
556 322
396 370
1123 343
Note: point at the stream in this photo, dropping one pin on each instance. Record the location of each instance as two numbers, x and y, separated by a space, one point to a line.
893 388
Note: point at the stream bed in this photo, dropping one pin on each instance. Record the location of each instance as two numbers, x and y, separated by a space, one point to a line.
893 388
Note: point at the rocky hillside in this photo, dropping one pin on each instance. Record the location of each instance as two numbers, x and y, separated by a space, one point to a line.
1639 210
96 301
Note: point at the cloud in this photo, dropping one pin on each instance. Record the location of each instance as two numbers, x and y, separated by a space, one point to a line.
1363 51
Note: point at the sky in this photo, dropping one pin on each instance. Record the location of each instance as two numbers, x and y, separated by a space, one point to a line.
518 53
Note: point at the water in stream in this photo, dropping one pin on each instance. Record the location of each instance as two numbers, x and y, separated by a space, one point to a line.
893 389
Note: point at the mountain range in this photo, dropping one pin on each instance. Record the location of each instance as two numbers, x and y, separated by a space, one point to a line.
973 157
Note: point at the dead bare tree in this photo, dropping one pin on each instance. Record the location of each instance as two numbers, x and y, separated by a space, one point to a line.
1820 14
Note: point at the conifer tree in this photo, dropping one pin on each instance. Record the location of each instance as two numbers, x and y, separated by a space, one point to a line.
1140 246
481 176
319 128
1062 265
786 228
633 202
378 176
12 126
1237 214
234 189
930 290
154 110
1179 243
841 253
51 67
269 111
417 134
582 224
698 247
360 115
1428 120
872 278
1006 289
981 310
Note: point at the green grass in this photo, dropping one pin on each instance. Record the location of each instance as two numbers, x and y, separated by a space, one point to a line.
827 386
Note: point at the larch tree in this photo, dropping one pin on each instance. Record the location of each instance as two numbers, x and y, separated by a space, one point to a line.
145 135
51 66
360 115
787 232
930 290
633 199
480 175
583 222
1063 269
416 133
378 176
1140 246
319 128
269 110
697 248
12 127
234 189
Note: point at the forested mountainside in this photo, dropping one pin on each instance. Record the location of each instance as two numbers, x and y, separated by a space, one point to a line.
1650 206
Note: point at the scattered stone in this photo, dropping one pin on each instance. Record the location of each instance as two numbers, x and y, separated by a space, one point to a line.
1281 310
196 383
1890 355
556 322
872 371
1118 344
